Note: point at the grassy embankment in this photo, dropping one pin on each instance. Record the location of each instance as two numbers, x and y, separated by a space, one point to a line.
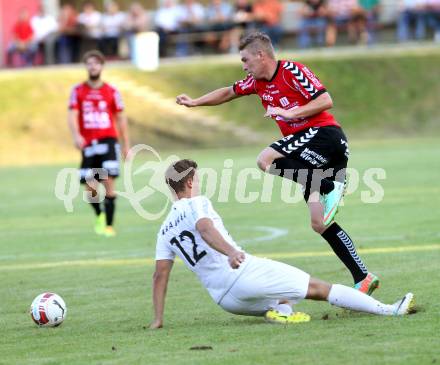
375 97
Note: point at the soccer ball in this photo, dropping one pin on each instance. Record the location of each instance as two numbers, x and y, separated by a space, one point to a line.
48 309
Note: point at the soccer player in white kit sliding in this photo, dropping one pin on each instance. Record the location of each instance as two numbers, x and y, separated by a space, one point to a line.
238 282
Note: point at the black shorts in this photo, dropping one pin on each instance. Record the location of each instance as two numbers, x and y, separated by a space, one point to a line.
316 148
100 159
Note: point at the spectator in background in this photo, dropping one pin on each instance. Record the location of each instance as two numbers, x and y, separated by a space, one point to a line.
166 23
68 39
341 14
314 15
191 19
192 15
219 17
413 12
243 20
45 27
23 44
267 14
136 22
113 22
433 13
365 19
90 23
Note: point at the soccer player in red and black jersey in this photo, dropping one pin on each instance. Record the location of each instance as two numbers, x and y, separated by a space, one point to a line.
97 121
314 150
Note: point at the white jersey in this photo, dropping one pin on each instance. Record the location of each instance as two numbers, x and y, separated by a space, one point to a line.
178 235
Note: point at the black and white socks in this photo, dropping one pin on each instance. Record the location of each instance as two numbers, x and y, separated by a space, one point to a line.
343 247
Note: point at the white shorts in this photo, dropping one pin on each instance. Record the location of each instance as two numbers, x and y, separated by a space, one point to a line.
262 285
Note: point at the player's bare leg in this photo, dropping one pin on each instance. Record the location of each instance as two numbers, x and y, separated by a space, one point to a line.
91 188
109 185
109 205
266 158
273 162
316 210
352 299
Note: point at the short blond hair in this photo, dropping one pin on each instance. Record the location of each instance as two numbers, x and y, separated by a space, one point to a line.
257 41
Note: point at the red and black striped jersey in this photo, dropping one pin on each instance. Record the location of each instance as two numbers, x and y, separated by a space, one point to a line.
292 86
97 110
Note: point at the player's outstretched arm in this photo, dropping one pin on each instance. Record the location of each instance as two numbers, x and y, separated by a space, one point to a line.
215 97
160 283
213 237
321 103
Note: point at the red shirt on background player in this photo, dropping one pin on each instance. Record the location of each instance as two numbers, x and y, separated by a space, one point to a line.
96 121
97 111
314 150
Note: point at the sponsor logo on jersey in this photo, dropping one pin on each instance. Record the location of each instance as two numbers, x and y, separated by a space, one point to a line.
94 96
102 105
96 120
267 97
284 101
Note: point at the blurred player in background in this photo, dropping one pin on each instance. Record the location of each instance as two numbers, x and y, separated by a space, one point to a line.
314 151
237 281
96 121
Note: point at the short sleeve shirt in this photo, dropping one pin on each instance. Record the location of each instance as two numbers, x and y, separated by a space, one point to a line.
97 110
293 85
178 235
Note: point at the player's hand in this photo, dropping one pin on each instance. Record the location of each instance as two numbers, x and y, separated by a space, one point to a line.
184 99
274 111
236 258
126 152
79 142
156 324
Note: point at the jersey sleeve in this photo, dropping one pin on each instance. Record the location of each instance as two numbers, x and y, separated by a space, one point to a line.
163 250
304 79
73 99
245 86
200 208
119 104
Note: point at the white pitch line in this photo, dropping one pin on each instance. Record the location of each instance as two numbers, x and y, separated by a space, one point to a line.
272 234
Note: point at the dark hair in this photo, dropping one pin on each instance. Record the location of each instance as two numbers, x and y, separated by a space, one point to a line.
257 41
178 173
94 53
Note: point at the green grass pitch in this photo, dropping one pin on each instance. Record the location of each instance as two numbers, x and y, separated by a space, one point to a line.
106 283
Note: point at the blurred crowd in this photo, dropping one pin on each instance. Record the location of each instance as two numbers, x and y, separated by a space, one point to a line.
359 18
190 27
42 38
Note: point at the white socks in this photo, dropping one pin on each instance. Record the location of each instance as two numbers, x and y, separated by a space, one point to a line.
284 309
349 298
